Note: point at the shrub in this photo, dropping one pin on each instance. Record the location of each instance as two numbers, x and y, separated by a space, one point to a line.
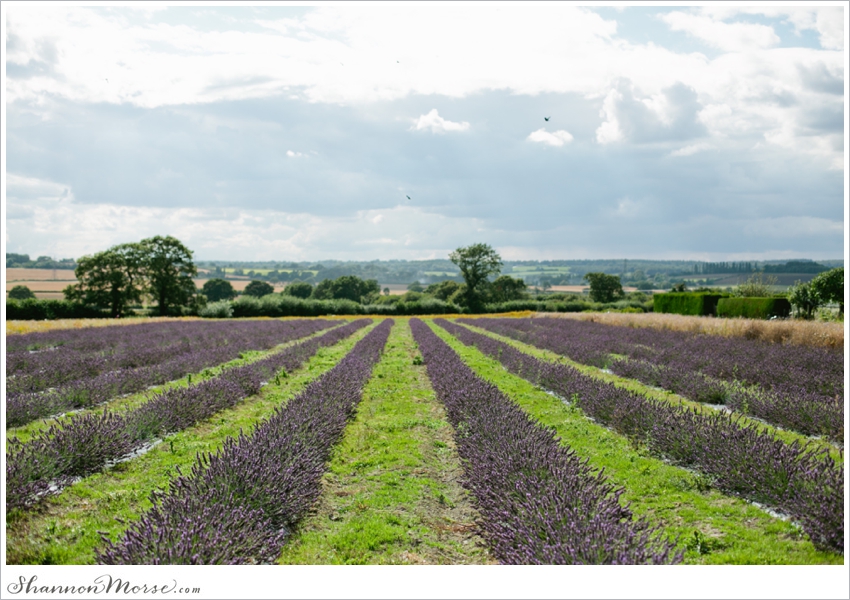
753 308
686 303
21 292
217 310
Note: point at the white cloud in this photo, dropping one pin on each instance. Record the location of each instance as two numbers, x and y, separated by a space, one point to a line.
437 124
627 208
691 149
827 21
555 138
726 36
292 154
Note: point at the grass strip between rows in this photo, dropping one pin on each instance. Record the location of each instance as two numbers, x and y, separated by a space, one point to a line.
64 529
540 503
739 459
240 504
391 493
86 443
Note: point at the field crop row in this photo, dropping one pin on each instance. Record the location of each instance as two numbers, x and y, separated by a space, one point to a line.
797 388
541 504
95 368
240 505
86 443
741 460
248 475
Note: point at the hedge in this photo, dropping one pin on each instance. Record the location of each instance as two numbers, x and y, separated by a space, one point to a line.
753 308
686 303
33 309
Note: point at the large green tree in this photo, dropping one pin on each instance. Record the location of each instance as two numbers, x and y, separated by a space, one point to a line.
347 287
258 289
113 278
169 269
476 263
298 289
604 287
506 288
218 289
829 287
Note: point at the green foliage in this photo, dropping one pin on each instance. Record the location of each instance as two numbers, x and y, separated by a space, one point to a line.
39 310
21 292
803 299
347 287
603 287
113 278
476 263
757 285
828 287
216 310
298 289
415 287
506 288
753 308
169 269
258 289
686 303
443 290
218 289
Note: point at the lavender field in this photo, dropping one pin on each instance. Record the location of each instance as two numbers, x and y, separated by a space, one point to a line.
420 441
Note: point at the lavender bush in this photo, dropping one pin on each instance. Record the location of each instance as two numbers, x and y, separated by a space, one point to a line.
167 362
790 386
85 443
239 505
807 484
540 503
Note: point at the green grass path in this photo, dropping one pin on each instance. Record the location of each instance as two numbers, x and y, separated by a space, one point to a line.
391 494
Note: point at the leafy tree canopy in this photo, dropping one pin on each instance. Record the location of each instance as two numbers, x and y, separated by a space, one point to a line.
113 278
603 287
218 289
803 299
169 269
476 263
21 292
506 288
298 289
258 289
828 287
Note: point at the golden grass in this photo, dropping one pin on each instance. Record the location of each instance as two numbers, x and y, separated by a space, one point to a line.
18 327
803 333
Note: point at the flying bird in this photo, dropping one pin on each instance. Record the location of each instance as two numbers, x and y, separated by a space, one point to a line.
546 118
408 197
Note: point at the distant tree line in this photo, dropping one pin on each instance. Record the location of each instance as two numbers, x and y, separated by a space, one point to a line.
22 261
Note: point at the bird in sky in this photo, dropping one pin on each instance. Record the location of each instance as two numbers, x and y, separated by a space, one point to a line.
408 197
546 118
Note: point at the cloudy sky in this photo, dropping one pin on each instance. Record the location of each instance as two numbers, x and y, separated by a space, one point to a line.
380 131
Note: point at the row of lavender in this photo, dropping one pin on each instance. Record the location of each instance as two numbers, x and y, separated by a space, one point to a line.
808 485
101 379
540 503
87 443
240 505
93 350
793 387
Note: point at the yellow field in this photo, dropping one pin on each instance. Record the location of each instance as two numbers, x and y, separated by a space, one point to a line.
20 276
804 333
